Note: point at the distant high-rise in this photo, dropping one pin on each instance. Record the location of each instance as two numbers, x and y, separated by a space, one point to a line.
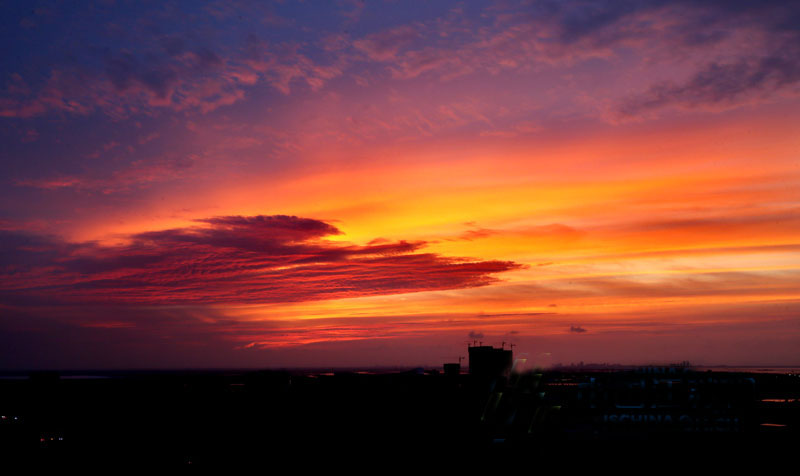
488 361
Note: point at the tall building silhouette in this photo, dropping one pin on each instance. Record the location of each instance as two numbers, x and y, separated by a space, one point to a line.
488 361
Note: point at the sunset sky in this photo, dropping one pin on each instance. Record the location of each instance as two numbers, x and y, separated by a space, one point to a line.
364 183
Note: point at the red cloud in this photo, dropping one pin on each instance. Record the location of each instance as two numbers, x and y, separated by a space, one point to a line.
228 260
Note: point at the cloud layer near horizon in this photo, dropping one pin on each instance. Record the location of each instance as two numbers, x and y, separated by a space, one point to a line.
232 259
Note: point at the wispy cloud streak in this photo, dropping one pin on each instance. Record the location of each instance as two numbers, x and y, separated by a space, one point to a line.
232 259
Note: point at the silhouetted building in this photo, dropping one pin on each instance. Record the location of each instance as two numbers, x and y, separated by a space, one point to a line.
452 369
488 361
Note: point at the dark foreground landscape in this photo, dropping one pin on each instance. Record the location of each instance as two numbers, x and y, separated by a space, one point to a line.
164 419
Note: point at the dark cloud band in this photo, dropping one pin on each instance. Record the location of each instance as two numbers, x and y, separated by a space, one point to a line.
232 259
